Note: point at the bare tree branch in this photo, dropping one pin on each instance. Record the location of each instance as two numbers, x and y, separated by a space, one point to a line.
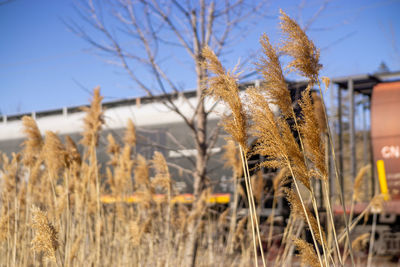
316 15
3 2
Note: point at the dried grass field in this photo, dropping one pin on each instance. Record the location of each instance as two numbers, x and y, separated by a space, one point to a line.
52 213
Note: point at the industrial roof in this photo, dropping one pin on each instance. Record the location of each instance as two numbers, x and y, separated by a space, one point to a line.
363 84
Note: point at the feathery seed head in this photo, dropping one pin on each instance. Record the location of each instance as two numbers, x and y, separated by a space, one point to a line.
326 82
275 84
275 139
307 253
358 190
9 178
6 223
54 153
223 86
141 172
130 134
113 148
319 111
73 154
46 236
34 142
162 178
121 182
311 134
269 140
298 210
232 158
93 120
360 242
303 51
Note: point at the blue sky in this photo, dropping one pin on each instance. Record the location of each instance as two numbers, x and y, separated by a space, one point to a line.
45 66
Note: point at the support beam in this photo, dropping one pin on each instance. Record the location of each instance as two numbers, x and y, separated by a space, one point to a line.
352 143
340 141
366 150
365 130
65 111
371 152
332 125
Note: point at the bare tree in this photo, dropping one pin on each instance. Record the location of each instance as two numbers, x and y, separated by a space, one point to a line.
137 33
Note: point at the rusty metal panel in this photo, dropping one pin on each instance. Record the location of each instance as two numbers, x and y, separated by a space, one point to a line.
385 132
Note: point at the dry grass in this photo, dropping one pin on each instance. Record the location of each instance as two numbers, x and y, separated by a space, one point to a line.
46 236
67 226
51 209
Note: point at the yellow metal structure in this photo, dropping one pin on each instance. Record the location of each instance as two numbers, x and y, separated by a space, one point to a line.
380 165
159 198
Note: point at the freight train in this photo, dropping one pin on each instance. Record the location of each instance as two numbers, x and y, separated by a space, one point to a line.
385 137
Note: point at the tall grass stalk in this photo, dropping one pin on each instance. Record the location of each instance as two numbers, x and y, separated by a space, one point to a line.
341 190
251 200
312 194
372 240
356 196
252 215
306 216
224 87
306 62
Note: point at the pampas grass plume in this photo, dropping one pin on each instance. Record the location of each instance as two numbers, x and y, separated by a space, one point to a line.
6 222
93 120
319 112
130 134
274 138
54 154
113 148
296 44
162 178
298 210
46 236
311 135
307 253
358 181
232 158
360 242
73 154
275 85
141 173
34 142
224 87
326 81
